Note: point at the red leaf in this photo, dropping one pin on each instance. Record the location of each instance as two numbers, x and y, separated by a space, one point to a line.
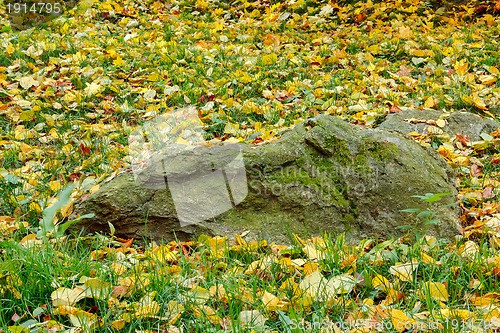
85 151
257 140
15 317
93 309
464 139
75 176
394 109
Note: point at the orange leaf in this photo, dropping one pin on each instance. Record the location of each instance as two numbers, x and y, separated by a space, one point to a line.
359 18
394 109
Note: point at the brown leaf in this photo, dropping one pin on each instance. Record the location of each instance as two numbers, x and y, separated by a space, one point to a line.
75 176
84 150
120 291
497 6
404 71
496 272
475 170
488 193
480 9
128 242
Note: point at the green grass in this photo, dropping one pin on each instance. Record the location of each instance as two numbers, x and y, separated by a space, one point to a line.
35 272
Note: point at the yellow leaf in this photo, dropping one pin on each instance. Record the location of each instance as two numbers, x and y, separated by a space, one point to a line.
92 89
175 309
28 82
429 102
147 309
118 324
441 123
310 267
405 32
84 320
218 245
118 62
35 206
67 296
490 20
205 311
393 297
270 301
456 313
419 53
55 185
401 321
437 291
199 295
479 103
18 329
468 250
269 59
461 67
373 48
349 261
487 79
252 318
404 272
493 70
10 49
201 4
242 76
341 284
466 99
65 310
381 282
316 286
119 269
27 115
154 77
311 251
427 258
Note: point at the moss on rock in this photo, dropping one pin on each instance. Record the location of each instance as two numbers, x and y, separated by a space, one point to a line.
324 175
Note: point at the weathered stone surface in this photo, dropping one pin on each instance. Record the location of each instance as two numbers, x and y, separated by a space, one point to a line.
324 175
464 123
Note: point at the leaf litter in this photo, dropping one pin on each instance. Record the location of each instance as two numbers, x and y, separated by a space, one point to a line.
73 89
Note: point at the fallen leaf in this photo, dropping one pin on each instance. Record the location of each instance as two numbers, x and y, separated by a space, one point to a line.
404 272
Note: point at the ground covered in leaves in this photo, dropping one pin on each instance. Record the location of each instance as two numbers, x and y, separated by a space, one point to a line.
74 88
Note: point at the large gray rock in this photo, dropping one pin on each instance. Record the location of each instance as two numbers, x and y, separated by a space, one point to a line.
323 175
464 123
